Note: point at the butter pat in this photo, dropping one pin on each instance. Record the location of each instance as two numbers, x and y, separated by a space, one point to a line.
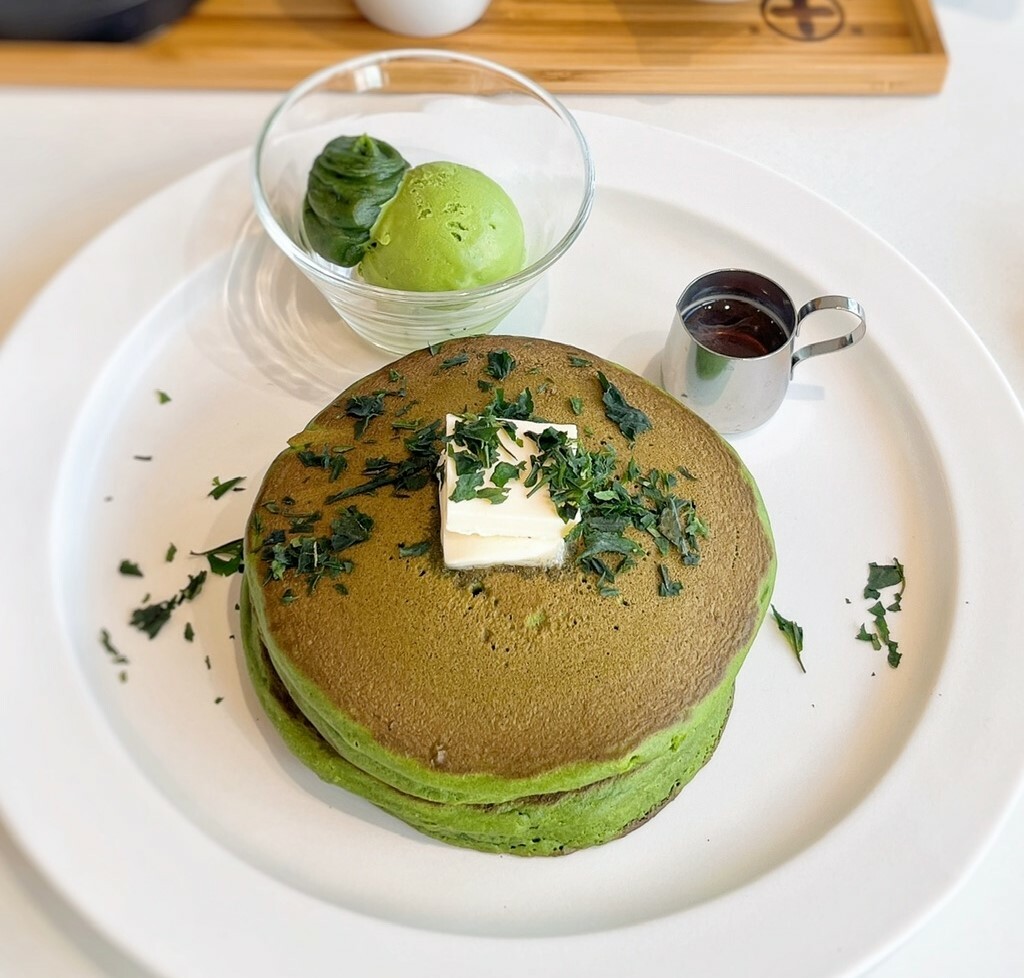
465 550
523 530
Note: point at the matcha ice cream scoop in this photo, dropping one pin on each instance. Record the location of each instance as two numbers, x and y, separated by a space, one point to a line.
448 227
437 227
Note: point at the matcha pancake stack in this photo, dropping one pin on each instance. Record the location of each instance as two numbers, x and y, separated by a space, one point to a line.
522 709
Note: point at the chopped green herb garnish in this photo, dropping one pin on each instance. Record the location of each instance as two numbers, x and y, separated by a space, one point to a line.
794 635
115 657
395 376
630 420
162 397
189 632
288 596
414 549
311 557
865 636
151 618
469 480
493 494
475 438
612 507
668 588
475 447
143 458
129 569
500 363
485 386
586 483
303 522
576 403
365 407
350 527
331 458
412 473
229 485
575 361
171 551
218 701
504 472
225 559
459 360
882 576
521 409
192 589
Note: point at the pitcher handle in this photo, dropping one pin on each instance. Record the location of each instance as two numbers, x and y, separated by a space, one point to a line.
846 304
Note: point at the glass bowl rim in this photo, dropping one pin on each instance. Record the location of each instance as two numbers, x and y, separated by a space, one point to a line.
357 288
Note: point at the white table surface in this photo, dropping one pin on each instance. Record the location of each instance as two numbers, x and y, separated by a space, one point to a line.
940 177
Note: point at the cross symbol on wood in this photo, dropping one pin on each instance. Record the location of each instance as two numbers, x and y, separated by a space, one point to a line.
803 12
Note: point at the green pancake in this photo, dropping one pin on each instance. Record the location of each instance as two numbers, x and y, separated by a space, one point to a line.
548 825
501 705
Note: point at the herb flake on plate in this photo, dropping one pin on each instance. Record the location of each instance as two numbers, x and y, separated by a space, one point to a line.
152 618
794 635
115 656
880 577
225 559
228 485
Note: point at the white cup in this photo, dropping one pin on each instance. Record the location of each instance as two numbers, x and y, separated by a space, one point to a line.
422 18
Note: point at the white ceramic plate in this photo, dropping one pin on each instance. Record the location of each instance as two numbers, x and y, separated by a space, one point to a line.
842 805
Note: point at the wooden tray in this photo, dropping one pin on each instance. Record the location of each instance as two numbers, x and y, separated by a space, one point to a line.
580 46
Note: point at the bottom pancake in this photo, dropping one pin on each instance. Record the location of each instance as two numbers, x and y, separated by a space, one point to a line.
550 824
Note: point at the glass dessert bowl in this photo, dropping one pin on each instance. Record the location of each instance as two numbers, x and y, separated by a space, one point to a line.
431 107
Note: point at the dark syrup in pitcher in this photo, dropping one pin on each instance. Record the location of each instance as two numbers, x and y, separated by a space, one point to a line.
734 326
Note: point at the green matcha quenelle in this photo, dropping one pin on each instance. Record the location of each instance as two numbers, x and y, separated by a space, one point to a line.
437 227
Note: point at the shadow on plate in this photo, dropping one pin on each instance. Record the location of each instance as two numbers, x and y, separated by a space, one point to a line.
290 333
284 325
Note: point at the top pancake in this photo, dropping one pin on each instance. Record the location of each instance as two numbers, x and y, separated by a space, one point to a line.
510 672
